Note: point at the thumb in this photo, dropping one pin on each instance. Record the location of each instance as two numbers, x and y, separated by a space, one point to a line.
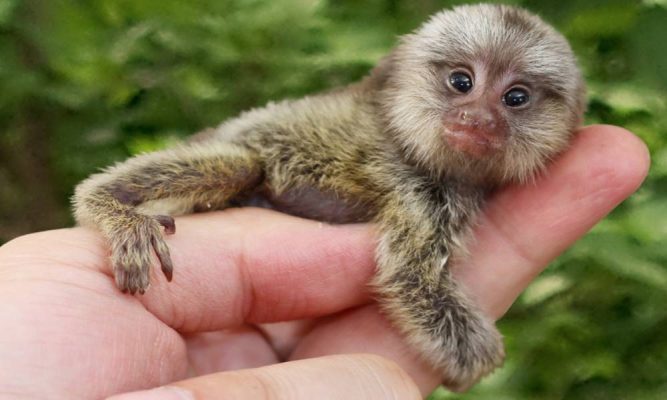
353 376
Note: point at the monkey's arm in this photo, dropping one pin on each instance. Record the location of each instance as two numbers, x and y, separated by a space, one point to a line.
203 175
418 237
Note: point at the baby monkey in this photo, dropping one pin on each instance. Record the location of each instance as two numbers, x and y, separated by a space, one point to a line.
477 97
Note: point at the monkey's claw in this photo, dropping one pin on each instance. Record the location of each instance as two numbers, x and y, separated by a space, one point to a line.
162 252
167 222
131 247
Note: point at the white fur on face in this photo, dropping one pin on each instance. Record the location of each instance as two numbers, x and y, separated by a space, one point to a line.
497 44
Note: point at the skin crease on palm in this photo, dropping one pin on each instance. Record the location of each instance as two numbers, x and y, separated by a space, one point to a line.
68 333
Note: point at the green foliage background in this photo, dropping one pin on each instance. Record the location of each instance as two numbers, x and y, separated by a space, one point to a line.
85 83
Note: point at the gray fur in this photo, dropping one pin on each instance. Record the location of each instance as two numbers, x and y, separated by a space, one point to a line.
373 151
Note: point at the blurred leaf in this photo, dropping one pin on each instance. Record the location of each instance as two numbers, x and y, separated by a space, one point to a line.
7 8
624 259
144 144
661 3
544 287
603 21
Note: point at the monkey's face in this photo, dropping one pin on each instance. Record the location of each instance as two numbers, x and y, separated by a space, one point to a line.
486 93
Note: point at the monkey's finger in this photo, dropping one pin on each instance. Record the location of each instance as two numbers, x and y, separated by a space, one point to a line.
162 251
358 376
525 227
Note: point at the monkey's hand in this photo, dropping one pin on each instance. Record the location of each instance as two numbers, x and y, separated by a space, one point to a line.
201 176
133 240
418 292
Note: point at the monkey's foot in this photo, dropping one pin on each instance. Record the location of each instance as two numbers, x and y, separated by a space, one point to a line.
132 245
478 352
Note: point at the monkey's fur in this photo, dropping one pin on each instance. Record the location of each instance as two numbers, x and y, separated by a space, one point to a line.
400 148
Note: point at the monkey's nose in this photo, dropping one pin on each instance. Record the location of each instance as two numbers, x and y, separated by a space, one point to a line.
477 119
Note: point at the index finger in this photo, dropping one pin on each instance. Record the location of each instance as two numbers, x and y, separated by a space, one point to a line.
253 265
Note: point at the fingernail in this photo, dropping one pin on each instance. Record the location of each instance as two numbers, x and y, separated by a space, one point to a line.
161 393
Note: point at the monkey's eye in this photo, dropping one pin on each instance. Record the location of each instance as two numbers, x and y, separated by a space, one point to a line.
516 97
460 81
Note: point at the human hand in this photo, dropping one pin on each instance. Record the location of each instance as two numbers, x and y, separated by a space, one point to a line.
68 333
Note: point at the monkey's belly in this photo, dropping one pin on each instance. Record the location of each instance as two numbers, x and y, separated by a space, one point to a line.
309 202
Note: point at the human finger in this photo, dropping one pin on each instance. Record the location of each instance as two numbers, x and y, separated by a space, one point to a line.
525 227
237 266
229 349
353 376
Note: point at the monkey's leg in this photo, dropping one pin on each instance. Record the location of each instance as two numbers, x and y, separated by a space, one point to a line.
201 175
419 295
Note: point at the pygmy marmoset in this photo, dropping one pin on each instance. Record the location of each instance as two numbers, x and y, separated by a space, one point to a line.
477 97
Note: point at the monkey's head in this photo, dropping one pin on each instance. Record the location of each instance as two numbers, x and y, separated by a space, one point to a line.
485 93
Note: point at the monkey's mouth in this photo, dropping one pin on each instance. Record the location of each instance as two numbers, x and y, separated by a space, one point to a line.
474 142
